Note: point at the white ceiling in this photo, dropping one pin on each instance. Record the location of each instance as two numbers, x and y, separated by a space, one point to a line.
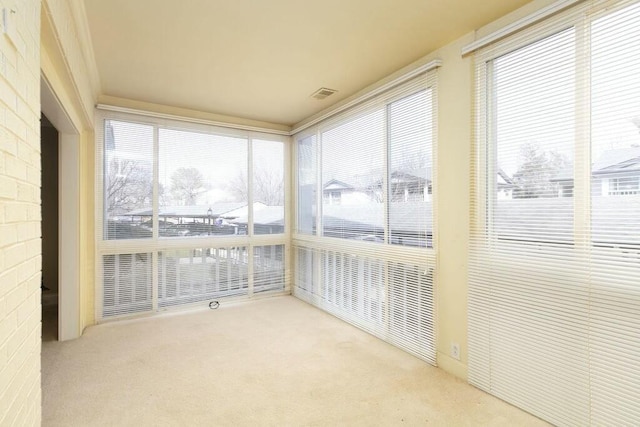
262 59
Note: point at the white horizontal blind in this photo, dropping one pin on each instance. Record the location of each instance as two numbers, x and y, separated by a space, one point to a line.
268 268
554 281
180 208
127 179
127 284
191 275
410 174
365 255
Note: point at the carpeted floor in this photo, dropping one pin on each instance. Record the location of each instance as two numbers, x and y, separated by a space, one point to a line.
273 362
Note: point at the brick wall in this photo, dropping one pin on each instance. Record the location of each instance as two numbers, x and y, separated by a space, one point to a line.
20 259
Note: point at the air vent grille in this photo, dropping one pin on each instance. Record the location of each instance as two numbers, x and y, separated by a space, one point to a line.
323 92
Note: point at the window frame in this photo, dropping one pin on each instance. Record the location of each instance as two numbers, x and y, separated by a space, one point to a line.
156 243
426 81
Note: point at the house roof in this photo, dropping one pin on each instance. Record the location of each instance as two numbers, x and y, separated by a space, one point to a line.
618 160
358 217
190 211
334 184
268 215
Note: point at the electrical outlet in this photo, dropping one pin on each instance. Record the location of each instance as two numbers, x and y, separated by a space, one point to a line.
455 350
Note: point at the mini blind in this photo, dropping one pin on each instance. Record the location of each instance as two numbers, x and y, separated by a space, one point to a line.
554 276
180 207
363 251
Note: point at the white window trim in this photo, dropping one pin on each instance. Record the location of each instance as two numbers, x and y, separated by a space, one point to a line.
156 243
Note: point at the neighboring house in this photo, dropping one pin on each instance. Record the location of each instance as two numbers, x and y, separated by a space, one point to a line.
266 220
505 185
615 173
336 192
411 187
404 187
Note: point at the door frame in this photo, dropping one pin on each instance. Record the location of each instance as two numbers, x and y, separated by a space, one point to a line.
68 212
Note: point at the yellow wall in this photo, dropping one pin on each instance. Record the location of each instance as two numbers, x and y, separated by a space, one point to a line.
453 192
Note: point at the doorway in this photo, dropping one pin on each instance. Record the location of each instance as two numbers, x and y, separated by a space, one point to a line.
68 205
50 239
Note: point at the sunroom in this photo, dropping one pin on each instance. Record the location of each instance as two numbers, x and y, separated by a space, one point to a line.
456 181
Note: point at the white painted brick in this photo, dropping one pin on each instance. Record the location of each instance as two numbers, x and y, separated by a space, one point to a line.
8 234
28 230
8 143
7 326
16 212
15 168
33 175
14 255
20 246
15 297
7 95
25 309
15 124
8 281
24 272
17 340
34 213
23 373
27 193
25 153
8 188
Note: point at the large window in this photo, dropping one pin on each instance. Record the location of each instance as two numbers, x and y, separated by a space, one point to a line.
365 186
375 174
179 207
554 290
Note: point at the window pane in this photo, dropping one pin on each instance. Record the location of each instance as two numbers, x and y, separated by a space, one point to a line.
202 183
307 185
128 180
533 100
410 174
190 275
268 187
268 268
352 177
615 126
127 284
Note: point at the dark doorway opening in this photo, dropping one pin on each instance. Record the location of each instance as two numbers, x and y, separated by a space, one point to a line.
50 248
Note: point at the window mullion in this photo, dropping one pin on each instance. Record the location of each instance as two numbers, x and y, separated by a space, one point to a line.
250 226
582 169
155 217
489 155
386 181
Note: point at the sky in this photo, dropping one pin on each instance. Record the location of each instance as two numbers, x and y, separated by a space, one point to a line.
219 158
536 91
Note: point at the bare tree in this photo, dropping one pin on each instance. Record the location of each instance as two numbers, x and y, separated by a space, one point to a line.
187 184
268 187
534 176
129 185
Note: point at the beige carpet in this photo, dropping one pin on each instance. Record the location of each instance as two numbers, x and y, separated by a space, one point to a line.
273 362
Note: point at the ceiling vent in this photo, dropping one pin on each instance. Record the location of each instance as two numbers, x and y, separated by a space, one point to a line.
323 92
